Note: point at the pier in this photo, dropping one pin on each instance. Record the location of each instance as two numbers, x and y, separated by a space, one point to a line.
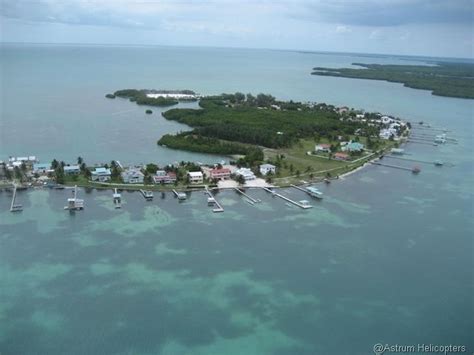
251 199
437 163
15 207
302 204
212 201
413 170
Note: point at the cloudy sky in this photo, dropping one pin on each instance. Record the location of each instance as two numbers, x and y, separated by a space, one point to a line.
419 27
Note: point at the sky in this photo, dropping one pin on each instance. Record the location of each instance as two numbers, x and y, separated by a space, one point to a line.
409 27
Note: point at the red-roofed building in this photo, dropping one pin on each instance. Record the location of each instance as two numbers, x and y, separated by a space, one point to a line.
220 174
341 156
322 148
163 177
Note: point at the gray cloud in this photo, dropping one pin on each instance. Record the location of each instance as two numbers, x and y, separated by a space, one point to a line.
389 12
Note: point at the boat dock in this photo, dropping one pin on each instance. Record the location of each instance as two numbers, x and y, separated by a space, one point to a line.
302 204
14 207
180 195
117 199
211 201
437 162
413 170
313 192
148 195
251 199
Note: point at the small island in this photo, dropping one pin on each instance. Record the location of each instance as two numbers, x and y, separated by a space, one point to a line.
160 98
443 78
148 112
110 96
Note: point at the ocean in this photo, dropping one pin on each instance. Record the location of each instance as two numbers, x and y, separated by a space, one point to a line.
386 257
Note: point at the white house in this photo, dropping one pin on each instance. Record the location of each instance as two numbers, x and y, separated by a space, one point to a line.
322 148
246 173
195 177
72 169
101 174
132 176
267 168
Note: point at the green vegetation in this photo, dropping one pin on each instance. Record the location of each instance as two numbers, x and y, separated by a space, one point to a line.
148 112
443 79
141 98
254 121
110 96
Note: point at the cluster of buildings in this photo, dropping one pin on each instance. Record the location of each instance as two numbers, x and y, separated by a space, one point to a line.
346 149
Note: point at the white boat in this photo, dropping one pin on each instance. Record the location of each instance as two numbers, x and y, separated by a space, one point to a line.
314 192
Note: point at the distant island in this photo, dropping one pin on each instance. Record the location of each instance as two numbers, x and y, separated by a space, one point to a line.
443 79
155 97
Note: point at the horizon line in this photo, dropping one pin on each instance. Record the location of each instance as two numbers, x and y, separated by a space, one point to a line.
238 47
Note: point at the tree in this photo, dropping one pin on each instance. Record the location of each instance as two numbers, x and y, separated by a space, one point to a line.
292 168
151 168
240 179
239 97
54 164
17 173
80 160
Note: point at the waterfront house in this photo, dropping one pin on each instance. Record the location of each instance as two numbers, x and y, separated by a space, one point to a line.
41 168
267 168
132 176
195 177
163 177
353 147
101 174
246 173
220 174
72 170
341 156
326 148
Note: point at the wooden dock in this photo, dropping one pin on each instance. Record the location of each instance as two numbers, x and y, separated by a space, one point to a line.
14 207
299 204
413 160
393 166
250 198
219 208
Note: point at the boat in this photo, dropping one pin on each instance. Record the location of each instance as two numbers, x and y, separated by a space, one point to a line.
416 170
327 181
314 192
148 195
74 203
438 163
211 201
397 151
117 199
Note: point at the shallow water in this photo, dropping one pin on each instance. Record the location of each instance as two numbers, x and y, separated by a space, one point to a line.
385 257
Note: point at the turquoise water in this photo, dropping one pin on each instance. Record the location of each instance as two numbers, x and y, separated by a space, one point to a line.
386 257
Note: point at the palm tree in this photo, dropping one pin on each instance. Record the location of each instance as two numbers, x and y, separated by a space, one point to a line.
80 160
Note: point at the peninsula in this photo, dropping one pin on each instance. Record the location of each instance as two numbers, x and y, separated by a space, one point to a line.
443 78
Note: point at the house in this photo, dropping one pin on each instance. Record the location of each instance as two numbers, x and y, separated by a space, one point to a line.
72 169
353 147
246 173
322 148
267 168
101 174
163 177
195 177
341 156
41 168
343 109
220 174
132 176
